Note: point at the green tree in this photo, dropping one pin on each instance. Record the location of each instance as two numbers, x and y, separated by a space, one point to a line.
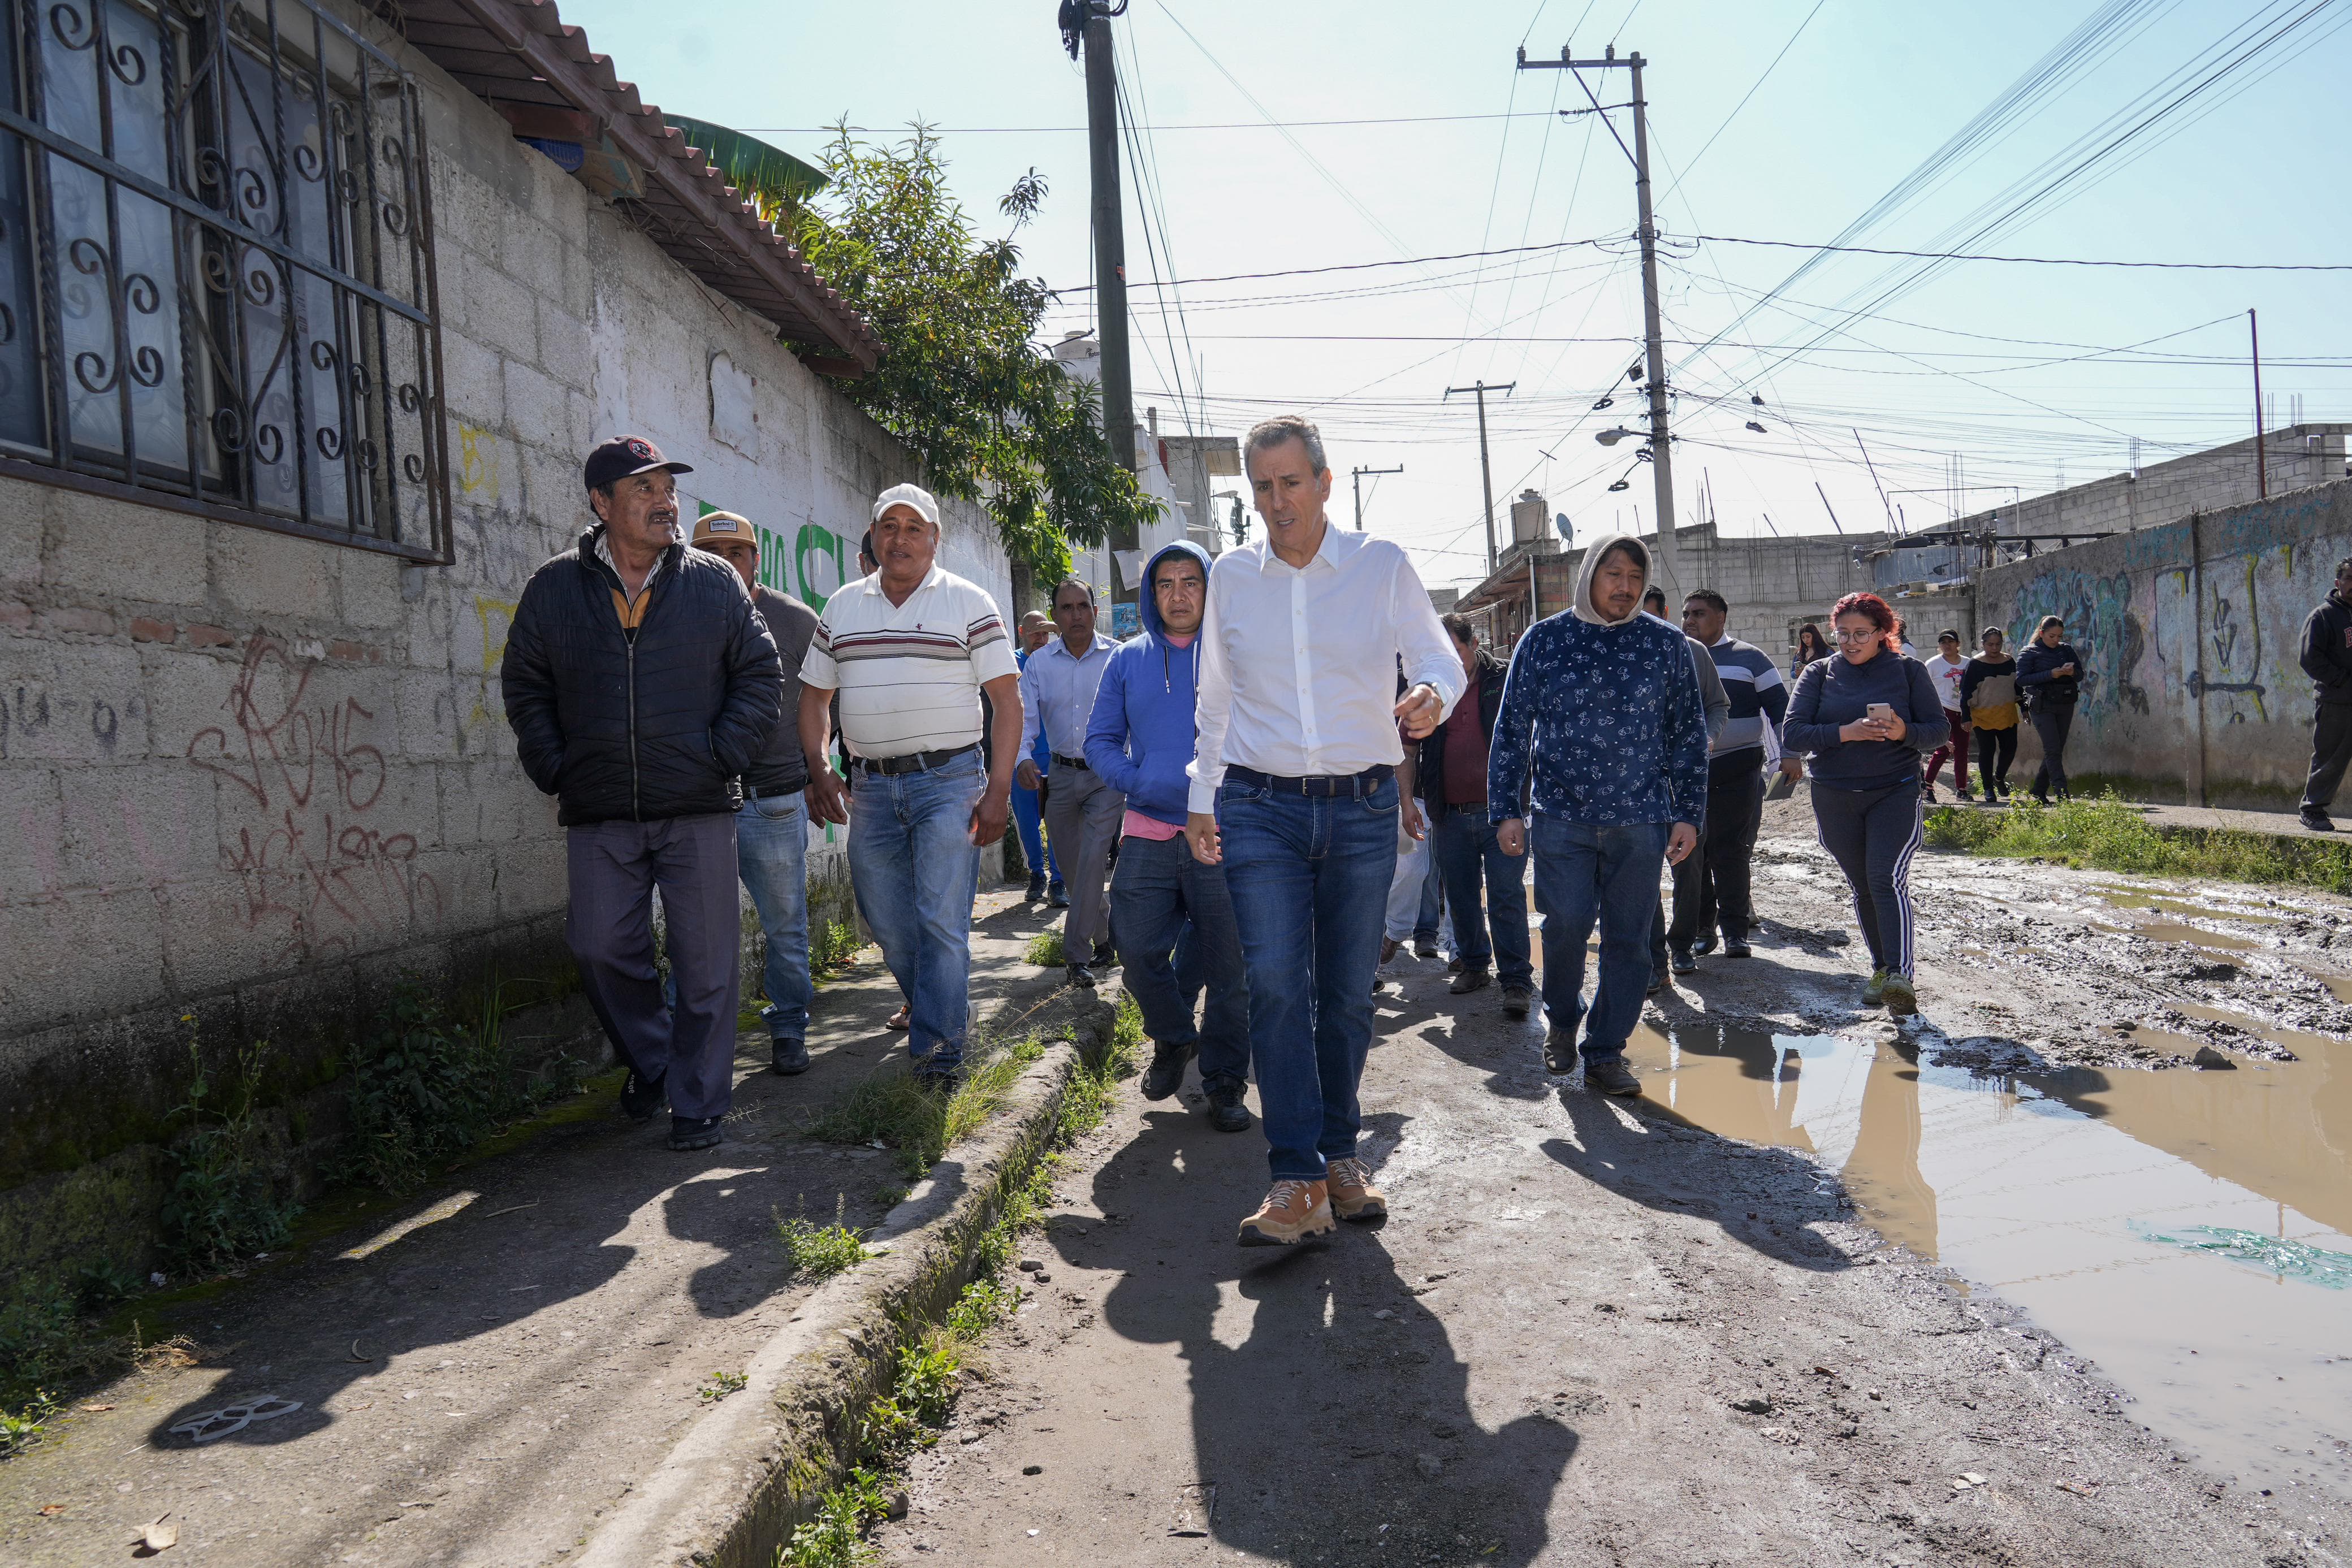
960 380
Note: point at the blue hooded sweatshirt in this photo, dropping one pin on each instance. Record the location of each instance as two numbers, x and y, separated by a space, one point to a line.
1141 738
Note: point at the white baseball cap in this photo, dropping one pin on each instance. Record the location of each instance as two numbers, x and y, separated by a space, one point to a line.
925 503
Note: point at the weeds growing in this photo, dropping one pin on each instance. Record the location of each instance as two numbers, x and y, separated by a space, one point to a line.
425 1088
921 1123
225 1201
832 944
1046 950
2109 834
720 1384
819 1252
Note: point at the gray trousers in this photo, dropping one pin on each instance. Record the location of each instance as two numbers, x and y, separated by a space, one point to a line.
1082 813
615 867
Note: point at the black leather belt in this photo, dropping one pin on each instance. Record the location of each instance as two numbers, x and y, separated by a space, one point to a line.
914 761
1322 784
754 792
1076 762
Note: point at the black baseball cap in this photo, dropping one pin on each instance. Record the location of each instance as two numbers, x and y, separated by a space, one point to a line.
623 456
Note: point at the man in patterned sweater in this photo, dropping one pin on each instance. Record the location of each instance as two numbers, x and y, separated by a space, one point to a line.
1599 761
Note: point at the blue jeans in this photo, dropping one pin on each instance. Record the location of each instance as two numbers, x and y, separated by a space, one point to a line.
1028 820
1466 850
1583 873
1164 902
916 872
772 854
1309 883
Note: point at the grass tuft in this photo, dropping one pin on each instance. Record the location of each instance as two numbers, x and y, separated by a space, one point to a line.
921 1122
1046 950
720 1384
819 1252
2109 834
832 944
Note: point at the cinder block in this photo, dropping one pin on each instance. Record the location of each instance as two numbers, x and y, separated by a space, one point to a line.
78 954
495 309
150 826
566 350
473 382
33 862
84 702
275 575
24 512
370 586
537 409
117 548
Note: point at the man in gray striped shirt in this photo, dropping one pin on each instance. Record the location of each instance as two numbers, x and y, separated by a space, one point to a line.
1711 888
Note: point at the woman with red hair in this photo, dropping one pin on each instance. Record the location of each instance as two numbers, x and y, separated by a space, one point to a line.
1867 715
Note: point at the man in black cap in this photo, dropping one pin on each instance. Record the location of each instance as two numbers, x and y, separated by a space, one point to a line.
640 681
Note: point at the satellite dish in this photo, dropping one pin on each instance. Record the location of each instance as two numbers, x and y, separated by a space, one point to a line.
1560 521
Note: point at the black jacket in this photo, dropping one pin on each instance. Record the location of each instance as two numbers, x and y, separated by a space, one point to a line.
642 726
1429 783
2043 689
2328 652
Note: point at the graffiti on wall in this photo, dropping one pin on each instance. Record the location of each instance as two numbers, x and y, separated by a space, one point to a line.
318 866
2104 628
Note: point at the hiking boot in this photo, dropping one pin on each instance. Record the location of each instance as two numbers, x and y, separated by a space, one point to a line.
1518 1001
1349 1183
1705 943
2317 820
1226 1111
687 1132
1738 947
641 1097
791 1057
1082 976
1610 1075
1469 980
1559 1051
1166 1073
1293 1211
1874 993
1681 961
1901 999
1424 947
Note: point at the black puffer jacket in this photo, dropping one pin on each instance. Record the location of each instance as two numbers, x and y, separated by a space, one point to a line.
644 725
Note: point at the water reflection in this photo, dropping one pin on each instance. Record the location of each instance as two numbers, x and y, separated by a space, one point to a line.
2046 1188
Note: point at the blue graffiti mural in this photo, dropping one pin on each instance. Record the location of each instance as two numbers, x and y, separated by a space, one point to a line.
2101 625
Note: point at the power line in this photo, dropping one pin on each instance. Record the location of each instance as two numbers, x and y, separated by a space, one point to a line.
1745 97
1080 129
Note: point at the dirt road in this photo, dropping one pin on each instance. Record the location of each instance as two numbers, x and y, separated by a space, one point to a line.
1665 1332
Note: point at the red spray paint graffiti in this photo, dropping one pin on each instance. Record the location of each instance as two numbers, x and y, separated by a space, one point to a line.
308 866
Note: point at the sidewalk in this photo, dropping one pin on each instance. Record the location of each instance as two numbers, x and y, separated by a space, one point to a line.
2278 824
482 1382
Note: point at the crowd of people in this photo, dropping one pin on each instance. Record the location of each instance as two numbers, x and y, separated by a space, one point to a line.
1296 767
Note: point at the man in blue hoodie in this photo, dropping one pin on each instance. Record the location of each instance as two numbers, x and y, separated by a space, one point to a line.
1598 758
1139 741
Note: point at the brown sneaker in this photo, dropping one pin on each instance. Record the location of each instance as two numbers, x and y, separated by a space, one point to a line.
1291 1211
1353 1196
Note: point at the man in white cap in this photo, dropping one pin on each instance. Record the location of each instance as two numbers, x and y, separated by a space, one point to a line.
910 649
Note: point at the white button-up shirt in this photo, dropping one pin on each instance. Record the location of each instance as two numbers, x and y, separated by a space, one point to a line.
1057 693
1299 668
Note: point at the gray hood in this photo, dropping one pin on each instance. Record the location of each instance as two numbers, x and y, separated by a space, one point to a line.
1593 555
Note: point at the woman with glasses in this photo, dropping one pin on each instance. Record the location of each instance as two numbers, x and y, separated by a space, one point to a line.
1868 714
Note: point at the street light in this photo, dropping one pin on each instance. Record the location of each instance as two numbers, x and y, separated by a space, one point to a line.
1611 437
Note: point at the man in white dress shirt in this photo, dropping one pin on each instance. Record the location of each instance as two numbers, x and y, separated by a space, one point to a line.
1082 810
1295 791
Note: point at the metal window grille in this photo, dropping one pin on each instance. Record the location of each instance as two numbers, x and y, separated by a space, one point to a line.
216 284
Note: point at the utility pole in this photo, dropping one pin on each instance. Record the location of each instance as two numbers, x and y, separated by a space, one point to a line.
1086 23
1660 458
1360 473
1485 471
2261 460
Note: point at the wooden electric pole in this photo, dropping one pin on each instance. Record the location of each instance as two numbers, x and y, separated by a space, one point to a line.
1086 26
1358 474
1485 471
1661 469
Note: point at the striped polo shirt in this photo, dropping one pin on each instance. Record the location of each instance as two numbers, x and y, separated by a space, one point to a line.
909 675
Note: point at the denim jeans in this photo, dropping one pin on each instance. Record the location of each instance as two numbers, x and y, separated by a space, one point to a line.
1173 923
1309 880
916 872
1467 849
1433 890
1028 820
1585 873
772 853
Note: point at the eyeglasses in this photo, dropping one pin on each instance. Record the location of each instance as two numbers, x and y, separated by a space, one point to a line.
1867 634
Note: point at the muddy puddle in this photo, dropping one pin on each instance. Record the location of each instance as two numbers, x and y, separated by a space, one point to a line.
2191 1232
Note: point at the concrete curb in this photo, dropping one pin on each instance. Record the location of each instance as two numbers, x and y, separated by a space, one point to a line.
736 1484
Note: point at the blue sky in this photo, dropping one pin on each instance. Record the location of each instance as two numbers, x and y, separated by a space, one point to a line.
1958 376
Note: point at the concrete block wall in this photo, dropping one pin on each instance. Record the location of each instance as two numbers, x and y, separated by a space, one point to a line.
255 779
2295 458
2190 636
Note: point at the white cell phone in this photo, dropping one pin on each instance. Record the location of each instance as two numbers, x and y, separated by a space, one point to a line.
1880 712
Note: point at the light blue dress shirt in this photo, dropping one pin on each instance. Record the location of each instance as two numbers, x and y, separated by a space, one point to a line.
1058 694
